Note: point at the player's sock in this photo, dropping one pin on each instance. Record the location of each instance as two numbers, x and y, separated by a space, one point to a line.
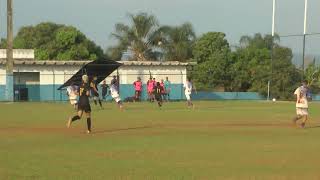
95 102
100 103
74 118
89 124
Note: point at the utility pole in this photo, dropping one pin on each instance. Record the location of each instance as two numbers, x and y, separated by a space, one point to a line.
9 63
304 35
272 43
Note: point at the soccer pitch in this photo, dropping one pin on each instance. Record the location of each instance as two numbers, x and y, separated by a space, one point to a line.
217 140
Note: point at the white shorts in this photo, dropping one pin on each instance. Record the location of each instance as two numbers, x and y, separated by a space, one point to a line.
73 101
188 96
302 111
116 97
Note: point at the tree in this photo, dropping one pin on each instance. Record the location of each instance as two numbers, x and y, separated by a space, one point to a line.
249 64
176 41
248 68
312 76
56 42
135 38
258 41
212 52
254 58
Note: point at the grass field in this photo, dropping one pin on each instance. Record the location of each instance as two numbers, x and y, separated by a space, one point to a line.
217 140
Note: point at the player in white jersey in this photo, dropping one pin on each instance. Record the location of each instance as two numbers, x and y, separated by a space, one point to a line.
115 94
188 88
301 104
73 95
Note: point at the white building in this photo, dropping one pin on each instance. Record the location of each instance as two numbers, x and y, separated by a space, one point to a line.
18 54
39 80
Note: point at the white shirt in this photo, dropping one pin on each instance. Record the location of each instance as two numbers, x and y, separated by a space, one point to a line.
113 90
187 87
302 93
72 92
69 90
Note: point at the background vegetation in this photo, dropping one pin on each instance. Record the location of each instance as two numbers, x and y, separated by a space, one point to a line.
220 66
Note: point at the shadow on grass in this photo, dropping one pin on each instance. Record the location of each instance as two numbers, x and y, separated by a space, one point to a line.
121 129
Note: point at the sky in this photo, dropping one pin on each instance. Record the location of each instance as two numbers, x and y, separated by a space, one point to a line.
96 18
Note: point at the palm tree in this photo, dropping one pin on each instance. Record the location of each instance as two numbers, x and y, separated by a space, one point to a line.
136 39
176 41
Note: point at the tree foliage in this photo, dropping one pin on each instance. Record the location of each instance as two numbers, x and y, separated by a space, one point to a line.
145 40
176 42
312 76
56 42
211 52
135 38
282 74
248 68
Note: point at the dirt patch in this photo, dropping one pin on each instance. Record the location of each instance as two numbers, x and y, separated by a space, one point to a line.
121 129
39 130
148 129
224 125
71 131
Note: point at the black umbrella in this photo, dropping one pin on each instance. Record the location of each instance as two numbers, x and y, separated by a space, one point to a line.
100 68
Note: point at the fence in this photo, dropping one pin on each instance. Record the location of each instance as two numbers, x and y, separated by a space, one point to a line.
228 96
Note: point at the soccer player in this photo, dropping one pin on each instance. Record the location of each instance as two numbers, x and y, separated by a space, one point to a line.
167 87
188 87
150 86
115 81
95 92
84 104
163 93
104 89
301 104
73 97
115 94
138 89
158 91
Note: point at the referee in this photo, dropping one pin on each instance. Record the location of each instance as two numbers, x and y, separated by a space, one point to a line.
83 105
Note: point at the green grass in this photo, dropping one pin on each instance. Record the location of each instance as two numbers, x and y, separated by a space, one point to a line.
217 140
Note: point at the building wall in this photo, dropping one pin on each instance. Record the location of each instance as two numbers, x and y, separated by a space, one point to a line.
18 54
2 75
52 77
129 74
